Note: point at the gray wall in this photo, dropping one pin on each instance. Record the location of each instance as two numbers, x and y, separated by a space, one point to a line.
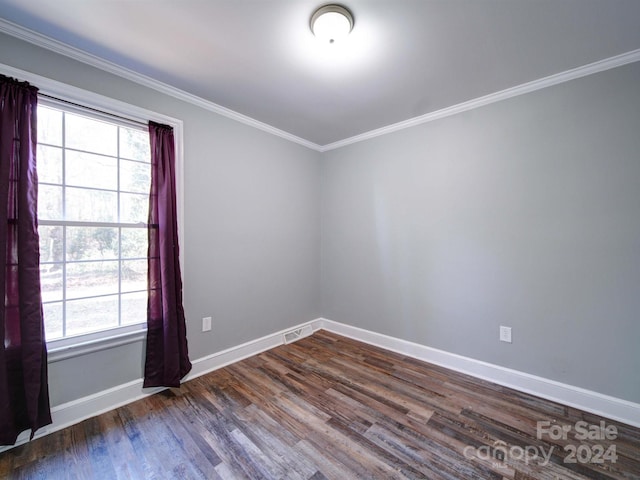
524 213
251 227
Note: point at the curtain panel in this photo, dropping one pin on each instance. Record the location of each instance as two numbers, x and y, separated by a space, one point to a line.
24 394
167 359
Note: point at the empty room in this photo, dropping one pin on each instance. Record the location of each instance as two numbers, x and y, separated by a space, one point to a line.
373 239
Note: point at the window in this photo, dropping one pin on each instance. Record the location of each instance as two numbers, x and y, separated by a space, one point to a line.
94 179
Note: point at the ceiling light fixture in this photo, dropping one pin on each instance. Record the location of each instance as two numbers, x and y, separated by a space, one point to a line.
331 23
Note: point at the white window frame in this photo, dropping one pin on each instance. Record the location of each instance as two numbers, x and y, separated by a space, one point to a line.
61 349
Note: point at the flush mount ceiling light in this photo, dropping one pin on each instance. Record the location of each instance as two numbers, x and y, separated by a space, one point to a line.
331 23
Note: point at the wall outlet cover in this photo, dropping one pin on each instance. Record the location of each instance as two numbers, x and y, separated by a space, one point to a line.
206 324
505 334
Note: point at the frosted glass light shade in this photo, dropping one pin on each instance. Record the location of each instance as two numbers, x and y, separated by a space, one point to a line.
331 23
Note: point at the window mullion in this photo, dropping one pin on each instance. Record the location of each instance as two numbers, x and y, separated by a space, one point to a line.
64 228
118 165
74 223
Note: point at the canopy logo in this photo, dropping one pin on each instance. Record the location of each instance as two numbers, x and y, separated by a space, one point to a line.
500 454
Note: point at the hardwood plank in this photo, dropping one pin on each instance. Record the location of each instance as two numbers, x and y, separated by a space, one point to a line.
327 408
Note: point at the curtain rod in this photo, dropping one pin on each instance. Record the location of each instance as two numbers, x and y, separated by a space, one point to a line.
92 109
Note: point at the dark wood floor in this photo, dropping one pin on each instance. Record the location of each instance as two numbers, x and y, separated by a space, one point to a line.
330 407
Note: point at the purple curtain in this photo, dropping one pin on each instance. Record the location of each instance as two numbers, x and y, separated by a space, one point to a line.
24 393
167 359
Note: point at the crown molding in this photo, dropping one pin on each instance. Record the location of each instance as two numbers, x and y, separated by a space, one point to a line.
575 73
61 48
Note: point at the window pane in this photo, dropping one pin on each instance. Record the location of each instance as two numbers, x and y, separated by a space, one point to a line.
92 314
134 208
88 279
50 243
135 177
51 281
52 320
49 202
49 126
93 171
49 164
134 308
87 243
90 135
91 205
134 144
134 275
134 242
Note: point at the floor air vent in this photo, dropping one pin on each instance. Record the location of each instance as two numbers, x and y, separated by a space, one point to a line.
297 334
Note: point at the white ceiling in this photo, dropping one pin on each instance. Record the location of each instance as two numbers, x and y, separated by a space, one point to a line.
404 58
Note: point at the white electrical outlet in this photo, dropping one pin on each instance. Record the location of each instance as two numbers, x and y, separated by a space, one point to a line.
206 324
505 334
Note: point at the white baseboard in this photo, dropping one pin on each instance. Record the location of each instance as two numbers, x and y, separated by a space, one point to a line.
76 411
590 401
73 412
235 354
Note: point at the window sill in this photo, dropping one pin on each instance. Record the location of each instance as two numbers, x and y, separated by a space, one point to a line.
57 354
